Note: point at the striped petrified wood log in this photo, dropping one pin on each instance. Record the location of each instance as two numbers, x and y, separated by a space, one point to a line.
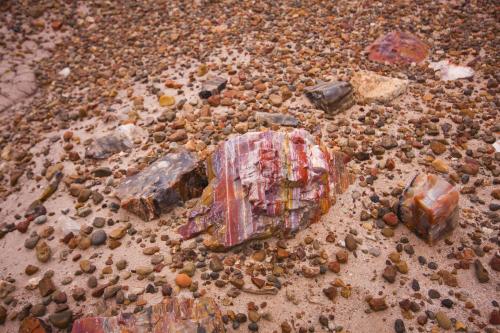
429 206
171 315
262 183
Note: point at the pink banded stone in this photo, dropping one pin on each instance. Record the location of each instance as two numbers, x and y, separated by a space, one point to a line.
398 48
429 207
171 315
263 183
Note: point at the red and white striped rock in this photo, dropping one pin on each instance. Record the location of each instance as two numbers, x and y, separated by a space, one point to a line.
262 183
429 207
171 315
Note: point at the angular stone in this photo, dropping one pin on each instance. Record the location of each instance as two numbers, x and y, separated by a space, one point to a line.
265 182
6 288
448 278
61 319
389 273
377 304
450 72
34 325
398 47
331 97
46 286
267 118
370 87
171 315
123 139
172 179
212 86
429 207
481 273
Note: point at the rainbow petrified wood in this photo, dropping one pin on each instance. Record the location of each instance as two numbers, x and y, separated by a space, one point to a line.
263 183
429 207
398 47
172 315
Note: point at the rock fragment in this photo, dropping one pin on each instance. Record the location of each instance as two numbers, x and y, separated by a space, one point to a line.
171 315
46 286
34 325
331 97
123 139
212 86
450 72
429 207
267 118
175 178
377 304
370 87
398 47
265 182
481 273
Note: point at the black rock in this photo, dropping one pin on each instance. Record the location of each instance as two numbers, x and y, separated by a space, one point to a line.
399 326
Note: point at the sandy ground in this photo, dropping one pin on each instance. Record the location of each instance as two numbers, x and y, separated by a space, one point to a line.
362 272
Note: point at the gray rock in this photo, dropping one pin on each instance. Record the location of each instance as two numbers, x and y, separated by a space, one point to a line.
99 222
267 118
98 237
481 273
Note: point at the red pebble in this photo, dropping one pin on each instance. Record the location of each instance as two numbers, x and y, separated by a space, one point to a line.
22 227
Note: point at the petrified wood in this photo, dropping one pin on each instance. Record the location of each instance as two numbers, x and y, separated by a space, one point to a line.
212 86
331 97
122 139
429 207
398 48
262 183
174 178
169 316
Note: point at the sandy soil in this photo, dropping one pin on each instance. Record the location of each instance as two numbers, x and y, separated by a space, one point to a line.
301 300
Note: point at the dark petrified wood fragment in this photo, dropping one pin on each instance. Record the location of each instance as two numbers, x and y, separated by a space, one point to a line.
263 183
331 97
267 118
172 179
429 207
171 315
212 86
